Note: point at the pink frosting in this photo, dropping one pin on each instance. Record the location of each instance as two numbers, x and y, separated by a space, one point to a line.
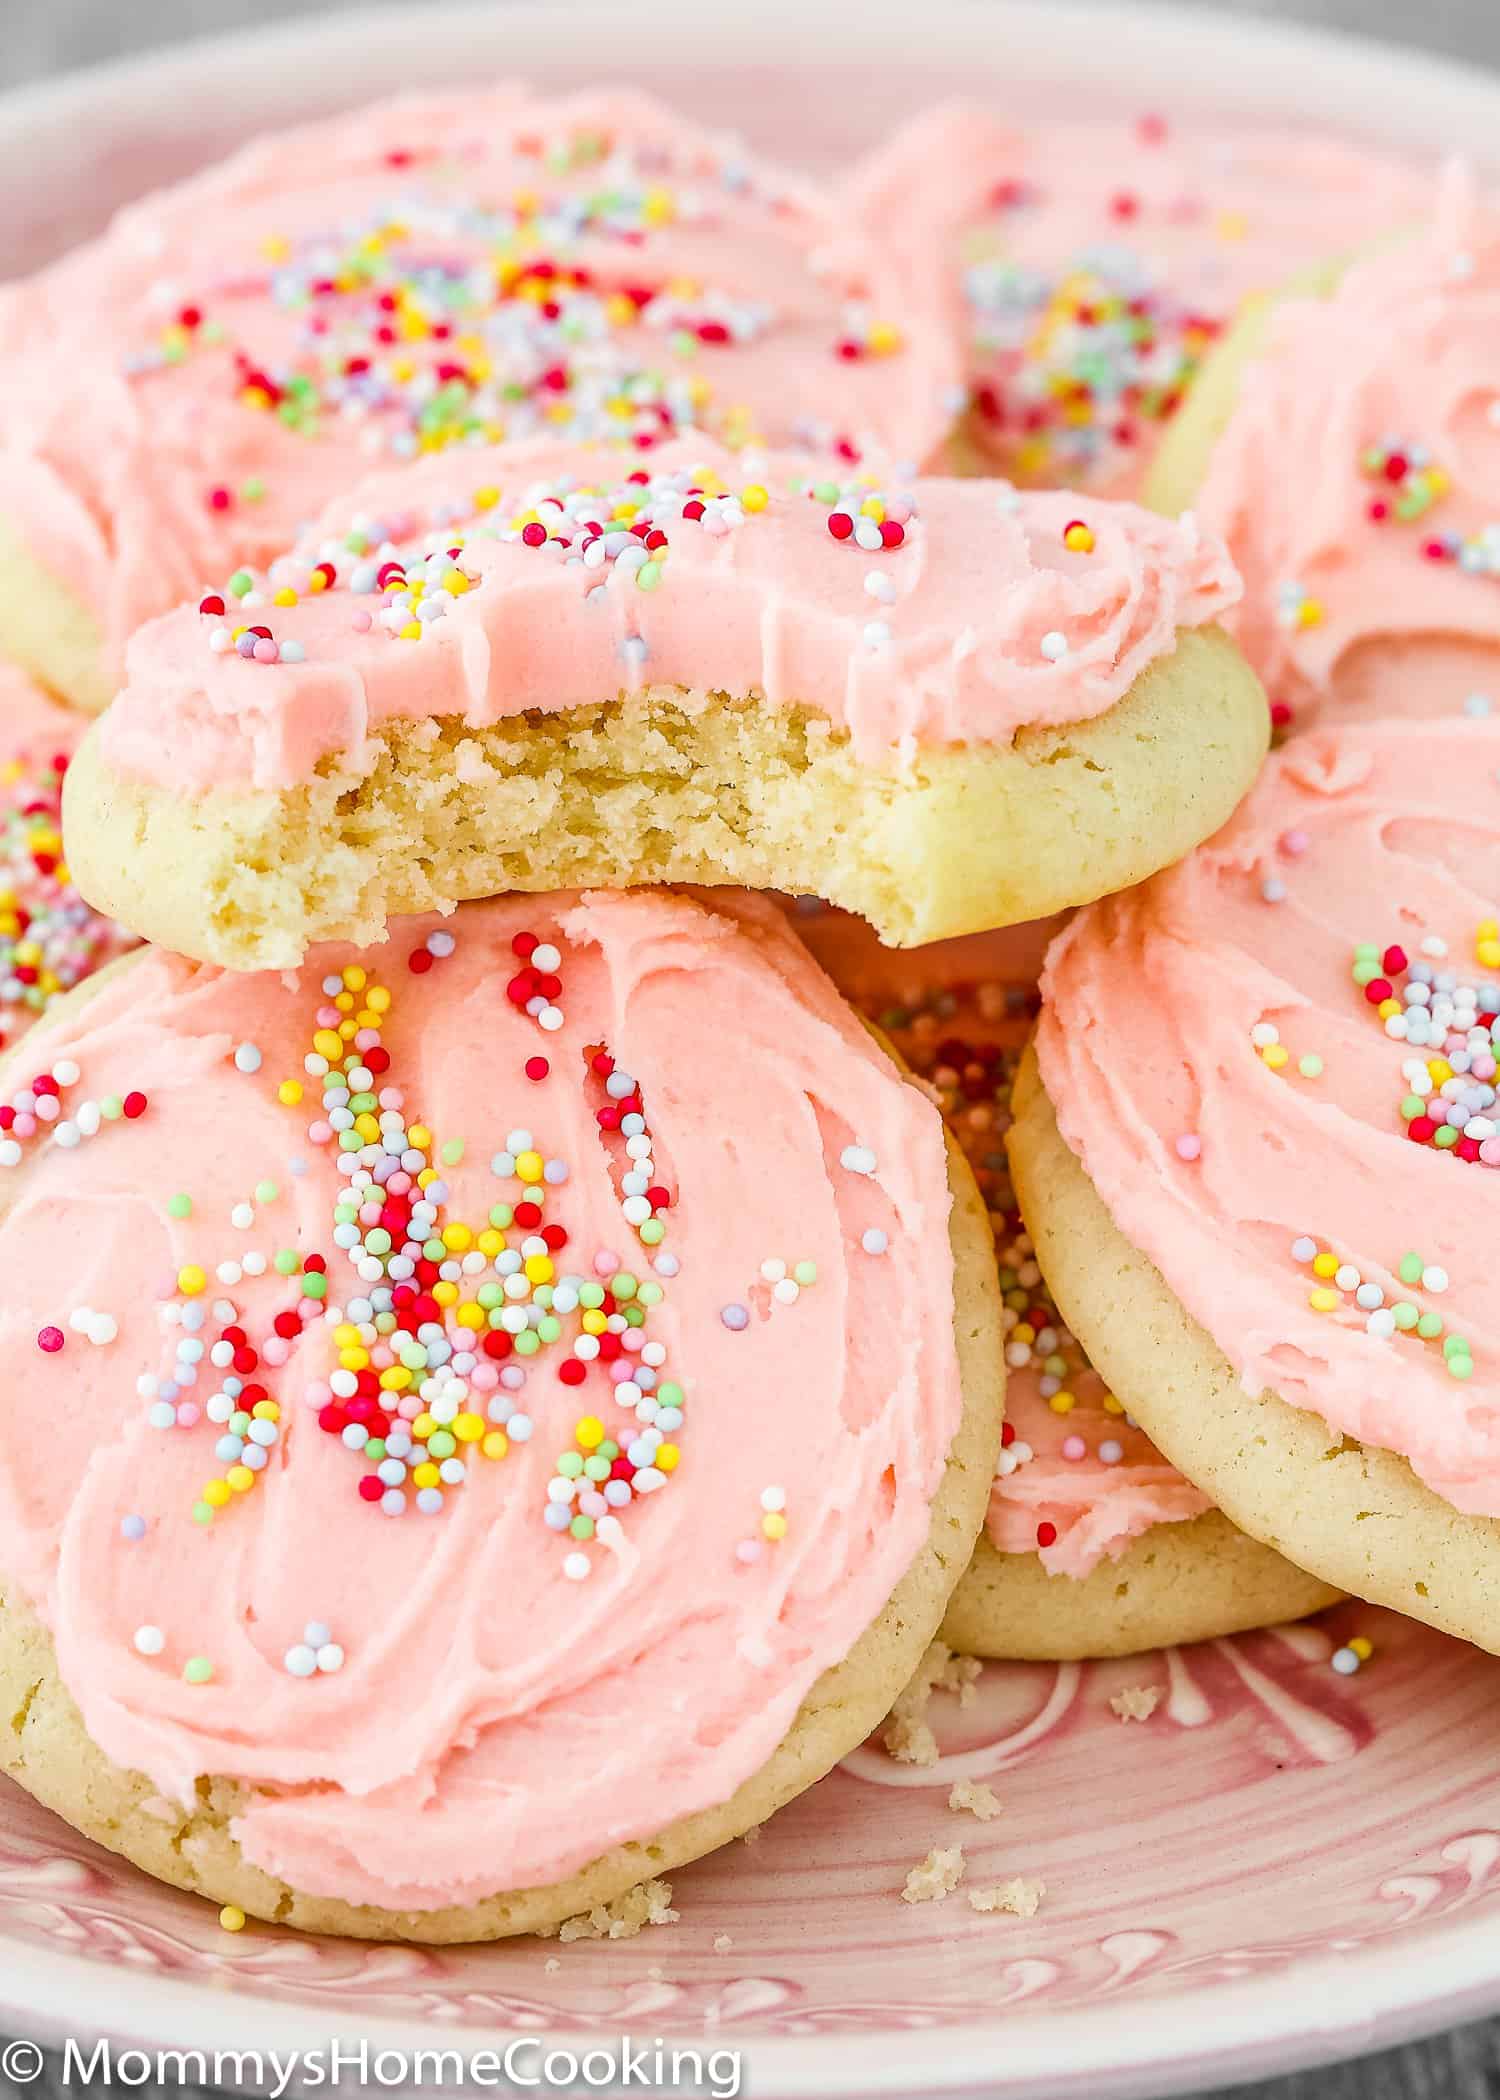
1358 482
1051 243
1244 1108
718 293
1077 1481
31 721
495 1724
975 620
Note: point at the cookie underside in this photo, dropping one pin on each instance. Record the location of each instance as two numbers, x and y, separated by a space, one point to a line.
1180 1582
43 1744
667 787
1355 1516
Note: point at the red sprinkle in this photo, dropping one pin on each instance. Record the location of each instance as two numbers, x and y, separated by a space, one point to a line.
537 1068
840 524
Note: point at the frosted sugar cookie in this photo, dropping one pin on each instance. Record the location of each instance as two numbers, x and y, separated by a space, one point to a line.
1093 1543
942 704
182 395
1258 1154
1089 264
420 1319
1345 441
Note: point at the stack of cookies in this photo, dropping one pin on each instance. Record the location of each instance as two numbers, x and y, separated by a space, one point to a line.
498 538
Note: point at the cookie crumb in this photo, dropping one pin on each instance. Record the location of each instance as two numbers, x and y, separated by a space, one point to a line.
906 1734
551 1965
722 1943
1020 1896
648 1903
752 1835
980 1801
938 1875
1138 1702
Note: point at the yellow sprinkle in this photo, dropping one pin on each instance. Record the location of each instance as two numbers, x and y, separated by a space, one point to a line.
419 1137
529 1166
594 1322
216 1494
191 1280
1362 1648
495 1444
241 1479
471 1316
773 1523
468 1428
667 1456
589 1435
458 1239
754 497
445 1293
539 1269
328 1045
1062 1403
232 1918
285 597
426 1475
1326 1265
1275 1055
289 1093
1325 1300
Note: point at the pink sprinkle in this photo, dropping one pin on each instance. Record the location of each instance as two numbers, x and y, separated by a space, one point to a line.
363 623
606 1263
189 1415
1188 1146
319 1133
266 651
747 1550
275 1351
51 1340
1294 842
1074 1448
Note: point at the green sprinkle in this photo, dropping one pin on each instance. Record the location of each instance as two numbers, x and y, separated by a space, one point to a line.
527 1343
452 1152
253 490
315 1286
623 1285
805 1272
112 1107
1445 1137
502 1216
241 582
669 1394
1405 1315
652 1232
1430 1326
1311 1066
549 1330
591 1296
649 1294
1411 1268
1412 1107
582 1527
375 1449
266 1192
202 1513
197 1669
441 1444
179 1206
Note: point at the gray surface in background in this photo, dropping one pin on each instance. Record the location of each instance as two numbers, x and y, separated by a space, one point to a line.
40 37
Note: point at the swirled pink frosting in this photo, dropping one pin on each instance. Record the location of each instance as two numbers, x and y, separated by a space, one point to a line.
1088 263
1234 1158
979 621
359 276
1077 1480
1358 481
494 1725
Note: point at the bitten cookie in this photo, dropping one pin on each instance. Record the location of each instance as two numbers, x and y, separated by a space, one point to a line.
420 1322
50 939
1345 441
1093 1544
1090 264
941 704
1258 1155
182 395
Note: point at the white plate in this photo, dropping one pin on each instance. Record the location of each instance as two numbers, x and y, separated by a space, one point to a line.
1282 1867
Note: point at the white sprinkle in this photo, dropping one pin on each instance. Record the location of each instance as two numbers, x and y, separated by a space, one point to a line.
149 1640
1054 645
